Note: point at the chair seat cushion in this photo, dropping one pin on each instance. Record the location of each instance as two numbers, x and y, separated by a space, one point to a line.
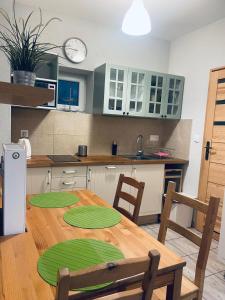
188 291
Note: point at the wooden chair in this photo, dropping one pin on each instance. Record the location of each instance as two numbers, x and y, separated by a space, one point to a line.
123 274
190 290
135 201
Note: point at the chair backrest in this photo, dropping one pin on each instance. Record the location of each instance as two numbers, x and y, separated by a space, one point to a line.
123 274
135 201
204 242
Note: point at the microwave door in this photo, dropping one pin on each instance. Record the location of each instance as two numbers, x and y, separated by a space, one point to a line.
51 87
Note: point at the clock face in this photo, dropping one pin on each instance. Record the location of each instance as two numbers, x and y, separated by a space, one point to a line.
75 50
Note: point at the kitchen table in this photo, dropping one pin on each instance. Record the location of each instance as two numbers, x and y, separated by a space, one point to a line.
19 254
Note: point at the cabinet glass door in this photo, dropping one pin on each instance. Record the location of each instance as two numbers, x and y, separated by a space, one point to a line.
136 93
116 80
174 97
155 95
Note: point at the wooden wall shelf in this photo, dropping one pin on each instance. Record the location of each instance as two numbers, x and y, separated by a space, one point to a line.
16 94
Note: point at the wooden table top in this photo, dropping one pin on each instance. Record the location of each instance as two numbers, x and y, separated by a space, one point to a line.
19 254
38 161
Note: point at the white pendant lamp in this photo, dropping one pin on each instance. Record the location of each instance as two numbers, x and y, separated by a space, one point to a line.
136 20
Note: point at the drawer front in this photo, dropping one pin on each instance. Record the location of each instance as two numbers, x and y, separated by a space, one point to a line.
68 171
69 183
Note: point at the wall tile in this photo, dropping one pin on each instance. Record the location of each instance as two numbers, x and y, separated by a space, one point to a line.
177 136
61 132
36 121
67 144
41 144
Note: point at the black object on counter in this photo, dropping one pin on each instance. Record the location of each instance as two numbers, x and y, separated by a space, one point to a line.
63 158
114 148
82 150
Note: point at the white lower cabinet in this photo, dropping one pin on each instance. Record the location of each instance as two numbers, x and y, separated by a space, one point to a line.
56 179
153 176
102 180
38 180
68 178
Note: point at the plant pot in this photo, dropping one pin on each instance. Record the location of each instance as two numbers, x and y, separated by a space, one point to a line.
24 77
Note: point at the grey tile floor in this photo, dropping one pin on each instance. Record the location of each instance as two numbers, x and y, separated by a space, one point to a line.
214 288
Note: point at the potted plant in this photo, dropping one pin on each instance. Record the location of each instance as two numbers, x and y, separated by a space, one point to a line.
20 42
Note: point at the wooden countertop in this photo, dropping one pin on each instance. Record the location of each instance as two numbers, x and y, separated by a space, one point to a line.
97 160
19 254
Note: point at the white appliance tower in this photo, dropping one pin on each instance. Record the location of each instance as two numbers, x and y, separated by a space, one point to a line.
14 188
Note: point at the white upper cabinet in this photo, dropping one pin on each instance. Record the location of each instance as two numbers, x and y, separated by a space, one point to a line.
115 90
138 93
156 84
173 97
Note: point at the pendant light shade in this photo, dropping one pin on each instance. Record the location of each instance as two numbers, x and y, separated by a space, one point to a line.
136 20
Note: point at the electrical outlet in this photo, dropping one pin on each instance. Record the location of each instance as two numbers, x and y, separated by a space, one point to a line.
154 138
24 133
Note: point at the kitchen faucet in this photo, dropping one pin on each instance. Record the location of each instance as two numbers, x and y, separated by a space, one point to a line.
140 144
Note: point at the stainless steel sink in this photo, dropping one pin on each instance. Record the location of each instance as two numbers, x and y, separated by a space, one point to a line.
142 157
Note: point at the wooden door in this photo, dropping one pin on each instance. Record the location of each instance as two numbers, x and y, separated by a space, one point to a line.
212 176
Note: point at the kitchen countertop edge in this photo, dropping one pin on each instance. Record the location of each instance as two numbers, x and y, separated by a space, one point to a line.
39 161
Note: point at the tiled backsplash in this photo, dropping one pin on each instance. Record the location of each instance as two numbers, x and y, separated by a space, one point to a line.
57 132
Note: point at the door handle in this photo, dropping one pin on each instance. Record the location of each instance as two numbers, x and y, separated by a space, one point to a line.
207 150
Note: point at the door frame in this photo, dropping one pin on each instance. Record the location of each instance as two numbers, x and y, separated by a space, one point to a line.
215 74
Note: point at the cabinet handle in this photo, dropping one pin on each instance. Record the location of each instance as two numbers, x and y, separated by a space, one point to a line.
162 116
110 167
69 172
49 177
127 113
69 183
134 172
123 113
165 116
89 175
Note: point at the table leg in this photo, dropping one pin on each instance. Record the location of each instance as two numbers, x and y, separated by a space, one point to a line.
174 290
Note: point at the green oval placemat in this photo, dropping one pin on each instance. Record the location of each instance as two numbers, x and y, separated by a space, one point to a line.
76 255
54 200
92 217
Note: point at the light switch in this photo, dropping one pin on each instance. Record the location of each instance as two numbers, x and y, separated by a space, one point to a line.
24 133
154 138
196 138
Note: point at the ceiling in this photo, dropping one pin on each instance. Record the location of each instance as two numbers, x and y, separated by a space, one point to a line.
170 18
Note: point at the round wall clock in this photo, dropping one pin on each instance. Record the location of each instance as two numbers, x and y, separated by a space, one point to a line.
75 50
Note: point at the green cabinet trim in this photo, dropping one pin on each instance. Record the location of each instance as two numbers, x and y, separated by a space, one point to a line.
132 92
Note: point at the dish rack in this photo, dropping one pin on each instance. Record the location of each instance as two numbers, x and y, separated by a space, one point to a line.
160 152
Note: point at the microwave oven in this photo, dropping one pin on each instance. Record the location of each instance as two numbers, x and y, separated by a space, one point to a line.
47 84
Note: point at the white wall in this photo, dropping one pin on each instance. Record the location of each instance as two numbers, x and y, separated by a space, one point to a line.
193 55
5 110
105 44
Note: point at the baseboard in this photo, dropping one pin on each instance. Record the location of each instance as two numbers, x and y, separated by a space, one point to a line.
149 219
